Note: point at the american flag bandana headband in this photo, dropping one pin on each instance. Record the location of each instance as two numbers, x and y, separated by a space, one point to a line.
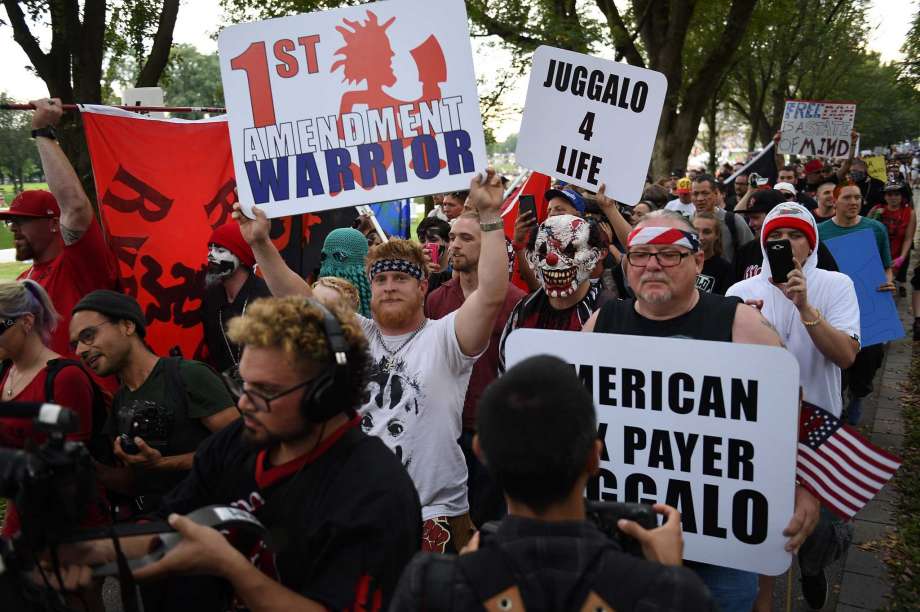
663 235
394 265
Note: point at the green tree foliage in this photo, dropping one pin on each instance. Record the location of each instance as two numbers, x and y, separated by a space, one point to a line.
72 67
192 78
910 67
18 156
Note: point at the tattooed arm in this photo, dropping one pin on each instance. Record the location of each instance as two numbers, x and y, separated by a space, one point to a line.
750 327
76 210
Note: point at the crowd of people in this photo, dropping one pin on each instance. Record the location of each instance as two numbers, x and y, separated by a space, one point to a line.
368 418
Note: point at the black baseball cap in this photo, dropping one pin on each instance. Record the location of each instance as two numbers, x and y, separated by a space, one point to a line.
763 201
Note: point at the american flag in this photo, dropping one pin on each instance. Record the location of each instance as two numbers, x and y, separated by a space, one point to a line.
838 465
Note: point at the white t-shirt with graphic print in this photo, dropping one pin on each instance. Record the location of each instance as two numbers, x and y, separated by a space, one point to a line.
416 408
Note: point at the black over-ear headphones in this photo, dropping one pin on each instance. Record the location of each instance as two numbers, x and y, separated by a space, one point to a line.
326 395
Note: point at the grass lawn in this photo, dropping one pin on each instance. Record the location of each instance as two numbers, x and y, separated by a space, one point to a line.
7 190
9 271
904 560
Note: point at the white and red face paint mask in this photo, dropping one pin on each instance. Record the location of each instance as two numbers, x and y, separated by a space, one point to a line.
221 264
563 257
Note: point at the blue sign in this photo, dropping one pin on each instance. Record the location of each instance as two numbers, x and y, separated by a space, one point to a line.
857 256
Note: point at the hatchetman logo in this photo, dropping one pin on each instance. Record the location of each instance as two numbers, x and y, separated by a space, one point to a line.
376 139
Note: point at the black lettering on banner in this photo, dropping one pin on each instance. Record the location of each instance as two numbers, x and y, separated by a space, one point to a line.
602 487
586 375
744 399
639 95
712 402
656 391
602 435
159 203
126 249
680 496
169 303
636 485
586 128
606 385
711 455
711 512
749 508
633 393
633 440
685 445
578 81
740 460
659 455
223 202
677 384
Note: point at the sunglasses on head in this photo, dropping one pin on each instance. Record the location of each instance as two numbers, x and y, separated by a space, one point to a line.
5 324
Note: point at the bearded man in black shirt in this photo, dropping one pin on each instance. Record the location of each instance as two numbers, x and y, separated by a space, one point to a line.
343 513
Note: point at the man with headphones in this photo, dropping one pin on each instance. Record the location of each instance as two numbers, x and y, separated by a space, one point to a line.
343 515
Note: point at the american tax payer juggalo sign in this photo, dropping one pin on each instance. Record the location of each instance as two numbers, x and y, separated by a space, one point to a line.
352 106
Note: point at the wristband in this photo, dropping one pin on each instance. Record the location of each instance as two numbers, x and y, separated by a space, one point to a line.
45 132
491 227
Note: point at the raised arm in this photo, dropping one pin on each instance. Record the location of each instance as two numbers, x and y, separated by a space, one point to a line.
476 317
281 280
621 226
778 158
76 209
845 166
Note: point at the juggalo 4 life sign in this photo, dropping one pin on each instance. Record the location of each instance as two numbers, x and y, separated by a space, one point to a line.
352 106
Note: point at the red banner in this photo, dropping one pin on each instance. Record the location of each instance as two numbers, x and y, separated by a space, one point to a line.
162 186
536 185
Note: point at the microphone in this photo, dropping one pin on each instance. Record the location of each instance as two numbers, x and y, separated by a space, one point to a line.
47 417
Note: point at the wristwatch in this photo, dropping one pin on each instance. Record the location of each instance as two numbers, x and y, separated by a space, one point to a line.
45 132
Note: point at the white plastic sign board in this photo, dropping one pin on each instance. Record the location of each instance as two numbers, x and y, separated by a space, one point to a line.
710 428
351 106
817 128
589 121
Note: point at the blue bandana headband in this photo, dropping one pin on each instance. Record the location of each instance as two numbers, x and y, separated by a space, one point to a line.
395 265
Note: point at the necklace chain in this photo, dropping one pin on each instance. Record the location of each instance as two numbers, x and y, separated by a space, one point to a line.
390 360
235 357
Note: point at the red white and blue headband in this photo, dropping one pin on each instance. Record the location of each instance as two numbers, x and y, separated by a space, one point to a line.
663 236
394 265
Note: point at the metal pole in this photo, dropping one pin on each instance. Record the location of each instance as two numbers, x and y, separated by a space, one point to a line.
140 109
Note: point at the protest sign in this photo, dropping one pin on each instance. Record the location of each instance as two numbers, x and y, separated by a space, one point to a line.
857 256
876 167
352 106
589 121
817 128
702 426
158 216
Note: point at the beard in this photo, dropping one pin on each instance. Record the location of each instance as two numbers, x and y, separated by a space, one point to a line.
462 264
398 314
655 296
216 272
262 438
24 251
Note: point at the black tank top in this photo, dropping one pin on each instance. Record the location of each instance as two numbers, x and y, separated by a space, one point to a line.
711 319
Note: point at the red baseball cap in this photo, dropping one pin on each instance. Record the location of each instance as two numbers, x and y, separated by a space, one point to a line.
33 203
814 166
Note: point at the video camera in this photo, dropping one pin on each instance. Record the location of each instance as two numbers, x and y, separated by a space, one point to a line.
51 487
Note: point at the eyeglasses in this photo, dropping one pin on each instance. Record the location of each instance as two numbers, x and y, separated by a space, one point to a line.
260 401
339 256
5 324
665 259
87 336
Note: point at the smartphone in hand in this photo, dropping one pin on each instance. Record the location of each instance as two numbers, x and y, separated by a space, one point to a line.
526 203
779 254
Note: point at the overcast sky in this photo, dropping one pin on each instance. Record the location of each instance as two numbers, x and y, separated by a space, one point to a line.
198 21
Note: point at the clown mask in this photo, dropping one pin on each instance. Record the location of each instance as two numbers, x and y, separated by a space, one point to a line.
221 264
563 257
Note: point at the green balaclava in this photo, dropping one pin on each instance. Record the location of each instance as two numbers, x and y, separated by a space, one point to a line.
343 255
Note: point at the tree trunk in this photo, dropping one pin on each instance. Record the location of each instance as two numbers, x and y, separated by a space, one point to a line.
72 68
713 134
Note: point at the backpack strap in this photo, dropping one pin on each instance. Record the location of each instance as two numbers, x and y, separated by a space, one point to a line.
490 574
176 385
